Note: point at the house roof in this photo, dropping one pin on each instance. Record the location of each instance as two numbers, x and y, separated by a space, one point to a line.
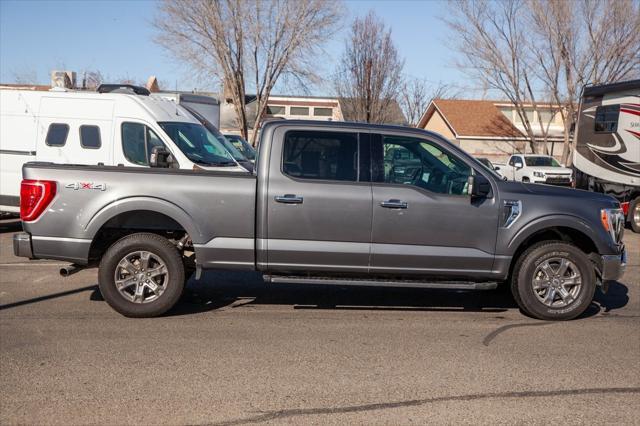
471 118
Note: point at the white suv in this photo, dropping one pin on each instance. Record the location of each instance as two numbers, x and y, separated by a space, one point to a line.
536 168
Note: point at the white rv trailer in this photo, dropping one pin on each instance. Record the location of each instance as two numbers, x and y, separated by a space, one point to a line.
113 126
607 144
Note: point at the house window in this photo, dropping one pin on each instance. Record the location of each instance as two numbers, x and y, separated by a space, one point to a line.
57 134
90 137
607 118
275 110
545 117
323 112
299 111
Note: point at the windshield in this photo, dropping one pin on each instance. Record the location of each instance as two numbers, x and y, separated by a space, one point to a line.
242 146
198 144
541 162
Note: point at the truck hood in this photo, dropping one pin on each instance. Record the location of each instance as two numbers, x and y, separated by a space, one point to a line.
570 194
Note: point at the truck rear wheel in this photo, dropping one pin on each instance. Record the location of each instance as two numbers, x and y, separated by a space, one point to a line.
553 280
634 215
141 275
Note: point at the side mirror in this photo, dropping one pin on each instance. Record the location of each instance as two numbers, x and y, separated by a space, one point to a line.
496 168
478 186
161 157
518 165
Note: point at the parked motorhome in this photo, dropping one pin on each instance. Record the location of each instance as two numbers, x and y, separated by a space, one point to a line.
117 125
607 141
206 106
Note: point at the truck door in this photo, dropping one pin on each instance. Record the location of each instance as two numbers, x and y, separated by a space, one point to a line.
424 221
318 202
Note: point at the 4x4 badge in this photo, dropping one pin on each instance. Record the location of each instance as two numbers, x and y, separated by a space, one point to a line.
86 185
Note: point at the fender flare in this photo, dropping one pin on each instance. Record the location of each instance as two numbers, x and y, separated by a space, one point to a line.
551 221
157 205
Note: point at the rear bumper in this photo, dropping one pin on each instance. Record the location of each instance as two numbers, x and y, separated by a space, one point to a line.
73 250
22 245
613 266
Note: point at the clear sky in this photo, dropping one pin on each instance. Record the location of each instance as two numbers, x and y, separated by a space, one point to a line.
116 37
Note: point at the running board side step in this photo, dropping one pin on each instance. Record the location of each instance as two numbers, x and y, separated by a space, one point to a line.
447 285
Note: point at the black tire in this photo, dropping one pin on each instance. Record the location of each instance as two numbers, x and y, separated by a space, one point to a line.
523 276
161 249
525 179
634 213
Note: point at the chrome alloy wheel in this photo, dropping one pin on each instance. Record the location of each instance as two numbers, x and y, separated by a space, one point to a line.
141 277
557 282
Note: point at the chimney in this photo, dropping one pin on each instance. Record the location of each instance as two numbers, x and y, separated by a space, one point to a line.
152 84
64 79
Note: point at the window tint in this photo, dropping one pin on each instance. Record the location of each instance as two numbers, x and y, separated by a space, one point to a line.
299 111
137 142
607 118
321 155
323 112
515 159
57 134
90 137
541 162
275 109
417 162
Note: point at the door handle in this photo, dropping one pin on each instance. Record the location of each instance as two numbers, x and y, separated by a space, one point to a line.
289 199
394 204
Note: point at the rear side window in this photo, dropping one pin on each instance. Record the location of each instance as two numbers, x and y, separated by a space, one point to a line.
90 137
321 155
57 134
607 118
137 142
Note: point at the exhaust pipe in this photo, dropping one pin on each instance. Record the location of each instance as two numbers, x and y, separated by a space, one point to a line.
65 271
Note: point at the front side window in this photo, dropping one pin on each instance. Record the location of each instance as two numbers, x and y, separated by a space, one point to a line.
321 155
90 137
607 118
417 162
198 144
515 159
541 162
57 134
137 142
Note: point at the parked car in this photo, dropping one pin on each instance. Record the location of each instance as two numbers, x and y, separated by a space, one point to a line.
117 125
536 168
494 167
243 146
607 141
326 206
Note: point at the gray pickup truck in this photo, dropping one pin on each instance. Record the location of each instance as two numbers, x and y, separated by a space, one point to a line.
329 203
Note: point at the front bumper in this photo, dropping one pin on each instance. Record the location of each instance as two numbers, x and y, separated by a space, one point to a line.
22 245
613 266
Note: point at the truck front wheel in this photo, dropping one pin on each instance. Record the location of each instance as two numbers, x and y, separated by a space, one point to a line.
553 280
141 275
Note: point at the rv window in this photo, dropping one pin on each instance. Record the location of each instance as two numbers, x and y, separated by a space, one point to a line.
90 137
57 134
137 142
606 118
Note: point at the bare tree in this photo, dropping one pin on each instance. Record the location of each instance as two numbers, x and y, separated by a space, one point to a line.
577 43
92 79
539 53
370 71
493 43
249 44
25 76
416 94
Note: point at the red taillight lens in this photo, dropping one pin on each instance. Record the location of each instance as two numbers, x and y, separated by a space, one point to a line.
35 196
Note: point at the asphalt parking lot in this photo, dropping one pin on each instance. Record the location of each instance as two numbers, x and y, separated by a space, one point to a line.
235 352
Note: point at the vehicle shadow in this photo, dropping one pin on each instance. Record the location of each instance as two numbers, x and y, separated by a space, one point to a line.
235 289
10 225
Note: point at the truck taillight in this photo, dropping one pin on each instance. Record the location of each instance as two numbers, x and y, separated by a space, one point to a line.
35 196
